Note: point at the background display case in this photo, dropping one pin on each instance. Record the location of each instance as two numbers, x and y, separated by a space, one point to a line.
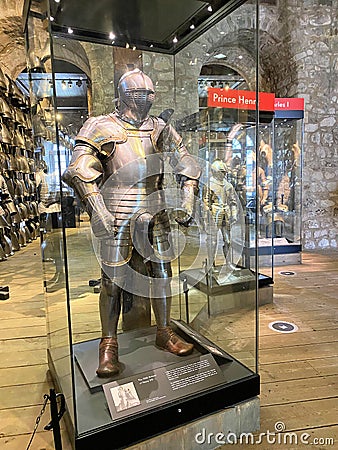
76 56
287 180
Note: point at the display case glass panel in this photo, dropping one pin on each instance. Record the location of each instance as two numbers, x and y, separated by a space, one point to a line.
288 149
52 153
135 248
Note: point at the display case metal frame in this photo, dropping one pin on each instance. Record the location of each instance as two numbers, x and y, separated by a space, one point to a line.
240 382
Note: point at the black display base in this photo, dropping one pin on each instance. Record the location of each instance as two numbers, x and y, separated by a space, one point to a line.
96 428
239 281
4 292
138 354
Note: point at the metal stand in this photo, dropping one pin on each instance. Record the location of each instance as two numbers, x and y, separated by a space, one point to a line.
186 298
56 415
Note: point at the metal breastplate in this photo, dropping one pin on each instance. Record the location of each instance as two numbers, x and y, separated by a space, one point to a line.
219 192
135 160
132 185
133 176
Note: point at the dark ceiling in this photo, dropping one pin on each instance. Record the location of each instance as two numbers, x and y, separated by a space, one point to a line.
141 23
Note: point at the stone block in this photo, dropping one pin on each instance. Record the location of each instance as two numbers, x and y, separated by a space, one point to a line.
309 245
210 432
201 433
323 243
249 415
328 122
311 127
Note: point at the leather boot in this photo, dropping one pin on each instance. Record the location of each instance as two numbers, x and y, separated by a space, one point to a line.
108 358
167 340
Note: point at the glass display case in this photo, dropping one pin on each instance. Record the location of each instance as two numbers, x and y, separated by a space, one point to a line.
279 191
287 181
151 304
279 176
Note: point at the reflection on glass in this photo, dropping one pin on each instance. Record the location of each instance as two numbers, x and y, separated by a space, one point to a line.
128 191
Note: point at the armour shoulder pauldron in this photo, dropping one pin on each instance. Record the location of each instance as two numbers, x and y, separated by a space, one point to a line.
101 130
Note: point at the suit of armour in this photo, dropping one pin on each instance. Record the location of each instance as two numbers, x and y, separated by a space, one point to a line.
117 171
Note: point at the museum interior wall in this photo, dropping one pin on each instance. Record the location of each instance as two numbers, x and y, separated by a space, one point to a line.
298 43
298 46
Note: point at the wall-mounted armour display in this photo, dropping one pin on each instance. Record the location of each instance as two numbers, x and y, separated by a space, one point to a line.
19 216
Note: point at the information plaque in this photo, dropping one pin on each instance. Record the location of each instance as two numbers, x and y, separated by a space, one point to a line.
150 389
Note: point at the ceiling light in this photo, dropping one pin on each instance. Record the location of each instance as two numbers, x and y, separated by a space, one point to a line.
192 26
57 1
175 40
51 18
240 57
127 45
112 36
210 8
70 31
134 48
151 46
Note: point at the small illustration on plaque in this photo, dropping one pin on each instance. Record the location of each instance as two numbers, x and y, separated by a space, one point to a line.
125 396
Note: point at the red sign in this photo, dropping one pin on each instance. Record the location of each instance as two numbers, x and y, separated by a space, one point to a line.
289 104
231 98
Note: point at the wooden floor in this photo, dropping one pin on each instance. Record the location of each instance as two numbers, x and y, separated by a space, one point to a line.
299 371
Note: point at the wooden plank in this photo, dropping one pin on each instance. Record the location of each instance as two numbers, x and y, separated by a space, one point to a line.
23 332
43 440
287 371
293 339
19 345
22 358
299 390
7 324
322 324
16 421
299 369
20 314
311 315
326 366
301 416
298 353
14 376
21 396
274 340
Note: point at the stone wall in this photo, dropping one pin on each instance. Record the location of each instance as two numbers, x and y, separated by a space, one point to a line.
102 77
299 47
12 46
311 37
298 57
